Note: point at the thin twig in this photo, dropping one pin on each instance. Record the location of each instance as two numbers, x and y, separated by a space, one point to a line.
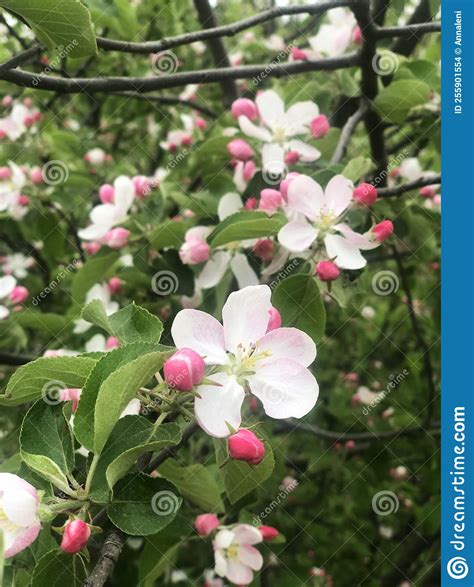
399 190
20 58
347 132
408 30
168 100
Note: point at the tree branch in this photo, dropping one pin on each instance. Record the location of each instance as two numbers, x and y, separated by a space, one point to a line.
168 100
347 132
20 58
399 190
409 30
13 359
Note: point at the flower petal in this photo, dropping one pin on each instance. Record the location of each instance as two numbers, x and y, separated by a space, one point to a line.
202 333
245 316
244 274
273 164
270 107
20 507
286 389
223 539
214 270
238 573
306 152
355 238
7 285
305 196
219 405
250 557
22 539
288 343
124 193
254 131
246 534
345 254
338 194
228 204
299 116
297 236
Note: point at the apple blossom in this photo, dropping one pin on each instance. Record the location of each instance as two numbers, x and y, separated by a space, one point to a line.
324 210
278 129
19 294
270 200
263 249
292 157
327 271
7 286
334 38
116 238
92 248
142 186
382 231
184 370
240 149
244 107
284 185
75 537
7 101
195 249
357 36
112 342
11 189
105 216
17 264
206 523
272 366
200 123
106 193
399 473
235 555
365 194
70 395
95 156
244 445
268 533
19 521
298 54
275 319
320 126
114 284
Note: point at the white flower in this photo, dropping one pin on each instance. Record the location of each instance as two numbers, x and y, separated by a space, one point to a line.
95 156
105 216
97 292
279 128
334 38
10 189
273 365
18 513
17 264
14 125
7 285
235 556
324 210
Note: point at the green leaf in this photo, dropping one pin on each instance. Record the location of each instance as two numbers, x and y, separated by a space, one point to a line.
143 505
46 443
357 168
46 376
241 478
110 362
168 234
299 302
248 224
94 270
196 483
118 389
131 437
130 324
58 23
47 322
396 100
56 569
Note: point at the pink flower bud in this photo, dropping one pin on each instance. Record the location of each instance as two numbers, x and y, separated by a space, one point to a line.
270 200
275 319
292 157
187 141
428 191
383 230
116 238
201 123
240 149
244 107
327 271
36 175
7 101
19 294
5 173
28 102
92 248
320 126
29 120
268 533
75 537
114 285
251 204
299 54
350 444
286 182
142 186
112 343
194 251
106 193
206 523
365 194
357 36
3 134
23 200
184 370
249 170
70 394
263 249
245 446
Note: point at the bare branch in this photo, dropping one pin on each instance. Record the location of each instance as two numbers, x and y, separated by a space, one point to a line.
108 557
399 190
347 132
21 58
409 30
169 101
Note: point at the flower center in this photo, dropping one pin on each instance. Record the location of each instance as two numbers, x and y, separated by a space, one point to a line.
242 364
279 134
325 223
232 552
5 524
